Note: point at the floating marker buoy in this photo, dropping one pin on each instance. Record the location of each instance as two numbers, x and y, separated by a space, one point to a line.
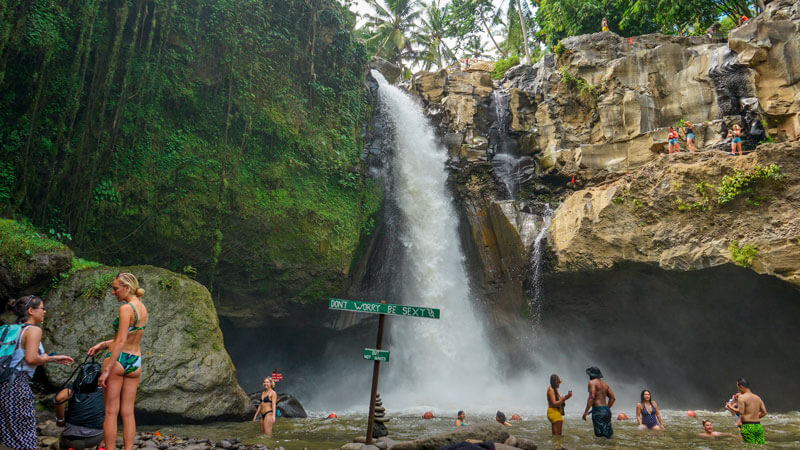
427 415
622 416
691 413
332 416
516 417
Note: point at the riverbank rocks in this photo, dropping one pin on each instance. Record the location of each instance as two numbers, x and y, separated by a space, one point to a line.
186 373
484 432
667 214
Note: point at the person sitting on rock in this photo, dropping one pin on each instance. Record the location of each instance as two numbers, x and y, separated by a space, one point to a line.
742 20
460 421
268 407
501 418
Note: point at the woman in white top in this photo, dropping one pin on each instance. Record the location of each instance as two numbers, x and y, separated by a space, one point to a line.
17 415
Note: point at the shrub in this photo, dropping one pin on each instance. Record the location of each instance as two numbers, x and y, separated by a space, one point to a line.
742 255
502 66
740 182
578 83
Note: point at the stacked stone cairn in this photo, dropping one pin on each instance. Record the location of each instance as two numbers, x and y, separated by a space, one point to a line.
379 429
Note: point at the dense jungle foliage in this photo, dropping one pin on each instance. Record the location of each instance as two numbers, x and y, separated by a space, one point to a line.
216 137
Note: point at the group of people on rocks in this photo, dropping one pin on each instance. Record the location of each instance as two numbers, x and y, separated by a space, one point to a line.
88 409
734 134
746 407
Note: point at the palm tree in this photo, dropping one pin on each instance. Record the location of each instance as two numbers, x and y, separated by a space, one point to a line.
430 36
392 25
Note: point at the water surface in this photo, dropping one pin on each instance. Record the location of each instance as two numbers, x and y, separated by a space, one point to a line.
317 432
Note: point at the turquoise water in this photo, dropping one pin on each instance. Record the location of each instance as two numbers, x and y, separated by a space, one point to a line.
317 432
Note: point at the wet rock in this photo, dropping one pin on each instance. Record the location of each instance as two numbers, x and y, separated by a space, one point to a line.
392 72
49 442
224 444
525 444
352 446
487 432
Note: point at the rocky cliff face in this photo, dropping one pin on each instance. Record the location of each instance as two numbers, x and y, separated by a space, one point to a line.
586 128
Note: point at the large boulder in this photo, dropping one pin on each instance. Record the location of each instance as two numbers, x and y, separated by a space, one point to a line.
186 373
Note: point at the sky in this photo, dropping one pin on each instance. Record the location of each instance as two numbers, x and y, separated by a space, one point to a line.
361 7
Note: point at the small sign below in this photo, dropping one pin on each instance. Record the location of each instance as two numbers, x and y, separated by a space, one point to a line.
376 355
276 376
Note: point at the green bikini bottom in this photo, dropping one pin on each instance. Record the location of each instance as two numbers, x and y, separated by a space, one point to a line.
130 363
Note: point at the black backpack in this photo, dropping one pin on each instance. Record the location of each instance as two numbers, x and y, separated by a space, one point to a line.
85 380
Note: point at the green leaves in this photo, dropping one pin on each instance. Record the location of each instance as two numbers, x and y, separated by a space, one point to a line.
741 183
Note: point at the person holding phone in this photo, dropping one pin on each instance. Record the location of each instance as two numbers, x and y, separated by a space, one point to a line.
555 405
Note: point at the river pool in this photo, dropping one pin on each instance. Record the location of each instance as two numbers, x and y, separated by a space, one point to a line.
317 432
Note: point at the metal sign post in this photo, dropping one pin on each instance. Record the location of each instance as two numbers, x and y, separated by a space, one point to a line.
378 354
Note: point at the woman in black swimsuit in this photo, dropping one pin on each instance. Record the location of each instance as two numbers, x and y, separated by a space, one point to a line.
267 407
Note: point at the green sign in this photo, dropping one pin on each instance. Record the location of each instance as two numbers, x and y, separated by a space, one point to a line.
376 355
383 308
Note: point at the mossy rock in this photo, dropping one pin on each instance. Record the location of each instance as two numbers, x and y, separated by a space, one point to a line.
186 372
28 260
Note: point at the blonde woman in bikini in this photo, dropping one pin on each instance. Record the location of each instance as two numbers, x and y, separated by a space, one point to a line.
122 367
267 407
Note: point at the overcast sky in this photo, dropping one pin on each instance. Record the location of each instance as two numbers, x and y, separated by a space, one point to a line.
361 7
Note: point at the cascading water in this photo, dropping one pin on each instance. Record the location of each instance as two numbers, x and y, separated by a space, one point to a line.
512 170
536 255
437 363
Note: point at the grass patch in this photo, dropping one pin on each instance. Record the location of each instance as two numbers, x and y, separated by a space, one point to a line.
742 183
577 83
19 242
742 255
502 66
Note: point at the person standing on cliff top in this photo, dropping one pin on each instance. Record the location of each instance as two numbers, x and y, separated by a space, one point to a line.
604 24
751 409
599 390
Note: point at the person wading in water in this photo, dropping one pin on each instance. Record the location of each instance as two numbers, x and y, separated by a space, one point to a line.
751 409
599 391
555 405
267 407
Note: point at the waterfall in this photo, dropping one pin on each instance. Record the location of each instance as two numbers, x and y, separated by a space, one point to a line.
535 291
443 363
511 169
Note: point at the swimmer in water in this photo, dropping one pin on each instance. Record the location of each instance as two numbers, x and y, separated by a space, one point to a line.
460 421
708 431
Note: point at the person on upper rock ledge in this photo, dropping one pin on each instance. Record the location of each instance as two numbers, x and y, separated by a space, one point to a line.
735 133
688 131
672 137
604 24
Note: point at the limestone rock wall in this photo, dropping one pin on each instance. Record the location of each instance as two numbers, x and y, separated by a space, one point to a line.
638 217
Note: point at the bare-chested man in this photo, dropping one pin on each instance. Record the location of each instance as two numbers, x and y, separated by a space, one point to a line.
708 431
601 411
751 409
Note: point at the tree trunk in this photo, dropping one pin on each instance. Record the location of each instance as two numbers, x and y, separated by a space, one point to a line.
524 33
491 36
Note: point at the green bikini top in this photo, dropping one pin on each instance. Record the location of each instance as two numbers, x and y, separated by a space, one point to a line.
135 321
